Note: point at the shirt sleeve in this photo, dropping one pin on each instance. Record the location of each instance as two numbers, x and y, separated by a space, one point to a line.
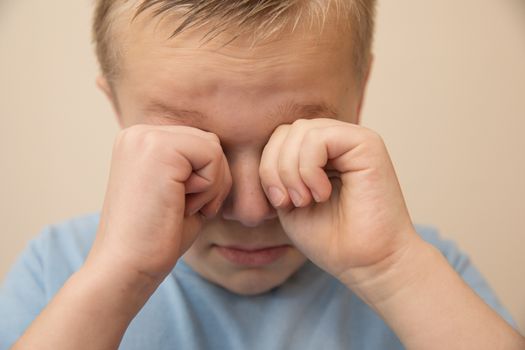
464 267
22 295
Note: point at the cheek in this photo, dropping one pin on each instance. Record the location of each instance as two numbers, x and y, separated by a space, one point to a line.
199 252
204 240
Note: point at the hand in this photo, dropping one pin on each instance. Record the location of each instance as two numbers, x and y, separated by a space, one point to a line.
164 181
355 221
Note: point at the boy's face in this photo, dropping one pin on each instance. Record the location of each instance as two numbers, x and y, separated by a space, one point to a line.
241 94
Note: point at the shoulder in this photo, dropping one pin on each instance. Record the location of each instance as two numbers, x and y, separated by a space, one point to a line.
40 271
56 252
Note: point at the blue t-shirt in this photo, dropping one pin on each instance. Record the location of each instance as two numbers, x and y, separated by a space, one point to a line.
311 310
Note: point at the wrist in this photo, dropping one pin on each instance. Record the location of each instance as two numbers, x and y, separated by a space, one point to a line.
114 266
405 267
114 274
126 291
428 305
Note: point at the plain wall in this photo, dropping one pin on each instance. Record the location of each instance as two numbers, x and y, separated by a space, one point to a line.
447 93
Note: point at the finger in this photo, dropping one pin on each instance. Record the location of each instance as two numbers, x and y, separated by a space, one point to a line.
269 169
289 170
336 147
187 155
167 143
196 184
211 209
181 129
180 154
352 148
210 201
206 202
313 158
203 157
288 165
195 201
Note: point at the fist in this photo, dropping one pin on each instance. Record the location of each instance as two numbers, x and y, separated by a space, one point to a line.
337 195
164 181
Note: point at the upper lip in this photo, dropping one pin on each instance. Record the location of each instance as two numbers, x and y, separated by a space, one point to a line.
251 248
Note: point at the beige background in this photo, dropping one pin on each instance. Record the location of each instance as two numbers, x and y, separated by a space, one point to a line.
447 93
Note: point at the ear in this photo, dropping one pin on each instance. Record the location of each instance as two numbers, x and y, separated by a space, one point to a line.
364 84
106 88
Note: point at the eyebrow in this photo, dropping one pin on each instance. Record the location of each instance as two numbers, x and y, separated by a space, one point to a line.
290 109
304 111
173 111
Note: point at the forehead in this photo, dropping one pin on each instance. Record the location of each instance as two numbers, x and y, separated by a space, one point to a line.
151 33
235 85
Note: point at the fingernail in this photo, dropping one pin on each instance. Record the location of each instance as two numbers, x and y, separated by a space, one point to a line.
219 206
276 196
194 211
297 199
316 197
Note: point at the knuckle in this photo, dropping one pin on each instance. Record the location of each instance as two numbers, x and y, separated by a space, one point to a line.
148 143
305 171
281 128
213 137
375 143
149 140
286 173
312 135
215 150
373 137
128 137
134 131
300 123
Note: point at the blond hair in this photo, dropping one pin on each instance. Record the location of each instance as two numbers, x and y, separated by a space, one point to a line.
261 18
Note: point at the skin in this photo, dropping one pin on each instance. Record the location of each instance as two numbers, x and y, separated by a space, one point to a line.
245 95
180 184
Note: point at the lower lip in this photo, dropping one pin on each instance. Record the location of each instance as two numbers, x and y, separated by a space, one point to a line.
252 258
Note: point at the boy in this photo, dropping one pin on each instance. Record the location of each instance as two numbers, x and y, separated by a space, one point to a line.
246 208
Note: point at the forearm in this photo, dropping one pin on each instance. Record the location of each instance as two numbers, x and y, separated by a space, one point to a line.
429 306
91 311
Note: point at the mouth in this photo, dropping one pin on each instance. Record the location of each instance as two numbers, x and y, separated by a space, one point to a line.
252 256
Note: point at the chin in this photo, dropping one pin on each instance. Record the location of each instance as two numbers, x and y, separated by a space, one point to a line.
253 282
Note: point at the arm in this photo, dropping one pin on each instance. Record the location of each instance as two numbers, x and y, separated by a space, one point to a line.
357 228
147 223
429 306
91 311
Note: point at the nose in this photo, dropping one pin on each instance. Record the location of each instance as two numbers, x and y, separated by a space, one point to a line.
247 202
